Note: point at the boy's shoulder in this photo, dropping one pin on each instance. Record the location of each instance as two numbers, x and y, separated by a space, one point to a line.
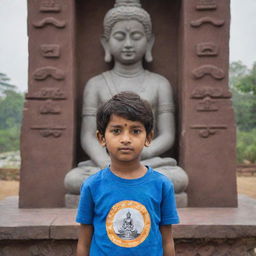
94 179
161 178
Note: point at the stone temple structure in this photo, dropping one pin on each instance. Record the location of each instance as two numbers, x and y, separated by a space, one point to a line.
191 51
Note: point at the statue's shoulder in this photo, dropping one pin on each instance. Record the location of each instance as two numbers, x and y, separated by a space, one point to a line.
158 78
96 81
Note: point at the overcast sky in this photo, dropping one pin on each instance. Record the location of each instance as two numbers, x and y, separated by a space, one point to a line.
13 40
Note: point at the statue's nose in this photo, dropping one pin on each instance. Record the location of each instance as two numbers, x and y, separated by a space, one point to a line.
128 42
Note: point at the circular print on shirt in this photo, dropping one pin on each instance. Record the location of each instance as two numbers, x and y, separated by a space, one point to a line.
128 224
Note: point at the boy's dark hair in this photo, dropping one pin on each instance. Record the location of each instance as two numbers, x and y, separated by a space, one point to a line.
127 105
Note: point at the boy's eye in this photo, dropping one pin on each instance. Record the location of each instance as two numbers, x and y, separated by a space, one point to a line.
116 131
136 131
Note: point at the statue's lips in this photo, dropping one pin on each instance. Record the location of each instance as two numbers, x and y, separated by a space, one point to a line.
128 52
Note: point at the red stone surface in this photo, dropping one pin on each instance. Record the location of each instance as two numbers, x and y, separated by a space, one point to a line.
49 128
207 136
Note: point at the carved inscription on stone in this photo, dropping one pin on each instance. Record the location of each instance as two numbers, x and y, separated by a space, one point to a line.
207 20
205 131
47 72
206 49
212 92
205 5
50 50
50 108
207 105
49 6
46 132
48 93
210 70
49 21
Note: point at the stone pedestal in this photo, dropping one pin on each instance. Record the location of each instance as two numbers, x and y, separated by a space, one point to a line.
203 231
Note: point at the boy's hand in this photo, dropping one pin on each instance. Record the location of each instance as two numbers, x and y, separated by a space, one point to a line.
167 238
84 240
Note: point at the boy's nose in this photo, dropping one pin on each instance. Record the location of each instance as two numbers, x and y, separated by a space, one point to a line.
126 139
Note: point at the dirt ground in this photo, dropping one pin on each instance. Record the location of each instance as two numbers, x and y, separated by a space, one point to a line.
246 185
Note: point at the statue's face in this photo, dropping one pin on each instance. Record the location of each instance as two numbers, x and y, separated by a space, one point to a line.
128 41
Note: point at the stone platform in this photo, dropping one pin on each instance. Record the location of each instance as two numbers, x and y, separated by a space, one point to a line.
202 232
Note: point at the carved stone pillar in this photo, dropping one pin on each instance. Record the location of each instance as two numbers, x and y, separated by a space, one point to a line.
48 131
207 142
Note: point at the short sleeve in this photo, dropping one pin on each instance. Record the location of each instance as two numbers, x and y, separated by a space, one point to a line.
85 206
169 214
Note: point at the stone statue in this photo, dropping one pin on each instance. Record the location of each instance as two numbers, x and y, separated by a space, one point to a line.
127 40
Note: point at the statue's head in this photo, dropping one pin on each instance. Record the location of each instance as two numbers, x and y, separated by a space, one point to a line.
127 14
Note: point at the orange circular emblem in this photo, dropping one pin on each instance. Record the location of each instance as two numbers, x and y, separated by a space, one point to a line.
128 224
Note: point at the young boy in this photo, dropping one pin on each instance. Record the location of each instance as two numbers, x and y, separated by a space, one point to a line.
126 209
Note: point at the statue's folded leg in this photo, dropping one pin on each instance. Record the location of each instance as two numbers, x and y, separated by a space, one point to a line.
179 179
177 175
75 178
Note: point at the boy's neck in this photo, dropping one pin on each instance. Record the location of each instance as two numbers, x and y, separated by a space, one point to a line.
128 171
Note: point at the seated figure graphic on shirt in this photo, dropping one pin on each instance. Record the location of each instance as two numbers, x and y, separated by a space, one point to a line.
127 230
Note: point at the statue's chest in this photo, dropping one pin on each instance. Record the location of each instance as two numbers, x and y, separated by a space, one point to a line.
142 87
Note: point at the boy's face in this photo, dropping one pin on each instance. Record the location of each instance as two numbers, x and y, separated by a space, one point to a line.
124 139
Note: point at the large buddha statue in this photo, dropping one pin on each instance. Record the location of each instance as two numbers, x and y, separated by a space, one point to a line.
128 40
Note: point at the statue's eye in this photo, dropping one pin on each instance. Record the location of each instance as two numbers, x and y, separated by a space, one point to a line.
136 35
119 36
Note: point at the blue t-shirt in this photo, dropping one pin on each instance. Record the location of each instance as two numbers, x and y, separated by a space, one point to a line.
126 214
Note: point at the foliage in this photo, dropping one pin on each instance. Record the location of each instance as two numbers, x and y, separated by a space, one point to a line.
10 139
4 83
245 110
247 82
243 86
11 105
236 70
246 146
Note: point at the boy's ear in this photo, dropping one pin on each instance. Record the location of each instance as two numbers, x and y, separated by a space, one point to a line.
101 138
149 138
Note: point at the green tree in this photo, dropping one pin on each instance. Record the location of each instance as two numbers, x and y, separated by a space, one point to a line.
236 71
247 82
243 86
11 105
4 83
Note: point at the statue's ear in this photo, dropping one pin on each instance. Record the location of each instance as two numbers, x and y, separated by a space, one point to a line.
105 45
148 55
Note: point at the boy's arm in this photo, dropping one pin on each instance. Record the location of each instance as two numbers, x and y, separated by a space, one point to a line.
84 240
167 240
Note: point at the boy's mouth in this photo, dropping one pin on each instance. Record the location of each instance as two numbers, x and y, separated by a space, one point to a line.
125 149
